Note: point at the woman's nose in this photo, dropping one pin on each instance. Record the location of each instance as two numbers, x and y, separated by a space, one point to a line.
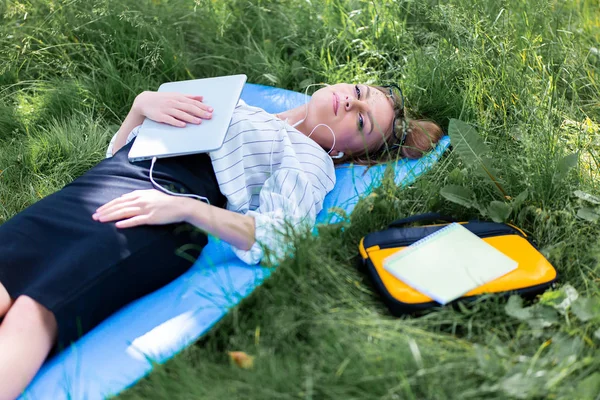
349 103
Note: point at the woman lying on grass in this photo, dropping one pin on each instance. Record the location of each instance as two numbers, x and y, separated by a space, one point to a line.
73 258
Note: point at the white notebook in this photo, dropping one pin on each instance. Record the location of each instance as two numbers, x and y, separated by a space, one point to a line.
448 263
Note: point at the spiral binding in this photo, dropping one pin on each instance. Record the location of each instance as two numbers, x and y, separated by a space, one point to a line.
413 247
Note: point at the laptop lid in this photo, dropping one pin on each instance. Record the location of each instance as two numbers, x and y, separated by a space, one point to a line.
160 140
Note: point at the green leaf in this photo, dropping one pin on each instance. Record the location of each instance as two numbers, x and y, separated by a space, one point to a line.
543 317
537 316
488 361
552 297
467 143
499 211
588 388
564 347
471 148
590 198
455 176
566 164
305 83
520 198
560 299
514 308
459 195
589 214
586 308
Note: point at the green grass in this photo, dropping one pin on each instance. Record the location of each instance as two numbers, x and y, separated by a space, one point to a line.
524 73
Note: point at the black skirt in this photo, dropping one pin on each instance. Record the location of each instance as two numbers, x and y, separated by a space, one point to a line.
84 270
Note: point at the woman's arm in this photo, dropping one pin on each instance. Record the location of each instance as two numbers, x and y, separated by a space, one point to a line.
234 228
133 119
152 207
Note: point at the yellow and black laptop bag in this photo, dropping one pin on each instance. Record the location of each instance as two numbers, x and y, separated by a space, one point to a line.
533 275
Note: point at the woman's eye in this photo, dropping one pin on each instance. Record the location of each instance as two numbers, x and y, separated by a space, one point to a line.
361 122
357 92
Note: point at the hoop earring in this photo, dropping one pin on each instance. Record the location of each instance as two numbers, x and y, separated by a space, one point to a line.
340 155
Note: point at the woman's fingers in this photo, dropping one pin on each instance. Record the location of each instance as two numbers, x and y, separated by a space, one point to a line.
167 119
197 103
109 208
191 96
135 221
128 198
202 110
184 116
119 213
122 199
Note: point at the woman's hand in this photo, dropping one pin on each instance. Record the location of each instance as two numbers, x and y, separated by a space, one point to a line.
172 108
142 207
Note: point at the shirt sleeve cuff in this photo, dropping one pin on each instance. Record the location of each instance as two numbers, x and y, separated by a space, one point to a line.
250 257
134 132
266 244
109 153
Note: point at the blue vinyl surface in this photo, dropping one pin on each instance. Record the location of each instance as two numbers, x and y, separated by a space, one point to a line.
120 351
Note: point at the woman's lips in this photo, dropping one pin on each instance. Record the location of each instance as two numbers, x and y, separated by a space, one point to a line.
336 103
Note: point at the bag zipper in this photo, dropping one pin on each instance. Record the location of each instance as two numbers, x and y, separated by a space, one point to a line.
401 243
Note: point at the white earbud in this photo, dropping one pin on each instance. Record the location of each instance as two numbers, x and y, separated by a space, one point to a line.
340 154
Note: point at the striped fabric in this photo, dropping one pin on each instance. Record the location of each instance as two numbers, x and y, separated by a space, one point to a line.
272 172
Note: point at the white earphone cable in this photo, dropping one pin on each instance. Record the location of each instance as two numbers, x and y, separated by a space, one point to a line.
194 196
341 153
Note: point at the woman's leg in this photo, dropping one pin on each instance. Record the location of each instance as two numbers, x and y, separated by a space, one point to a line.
27 335
5 301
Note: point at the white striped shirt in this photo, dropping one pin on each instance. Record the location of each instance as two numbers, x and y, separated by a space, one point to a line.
270 171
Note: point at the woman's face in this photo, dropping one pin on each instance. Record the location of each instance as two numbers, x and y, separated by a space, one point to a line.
359 115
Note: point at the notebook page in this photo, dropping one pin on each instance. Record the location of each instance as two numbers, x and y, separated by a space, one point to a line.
448 263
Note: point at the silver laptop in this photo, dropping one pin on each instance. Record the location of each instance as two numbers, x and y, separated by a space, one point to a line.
160 140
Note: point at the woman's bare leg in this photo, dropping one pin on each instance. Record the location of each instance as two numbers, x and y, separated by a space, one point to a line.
27 335
5 301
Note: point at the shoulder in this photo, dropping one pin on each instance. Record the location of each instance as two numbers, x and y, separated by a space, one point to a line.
244 108
245 114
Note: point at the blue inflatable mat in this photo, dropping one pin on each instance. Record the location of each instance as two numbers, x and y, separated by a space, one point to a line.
153 329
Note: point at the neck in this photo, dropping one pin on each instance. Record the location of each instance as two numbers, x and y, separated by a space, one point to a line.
293 116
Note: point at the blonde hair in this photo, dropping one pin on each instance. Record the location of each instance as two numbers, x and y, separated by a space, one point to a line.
420 136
